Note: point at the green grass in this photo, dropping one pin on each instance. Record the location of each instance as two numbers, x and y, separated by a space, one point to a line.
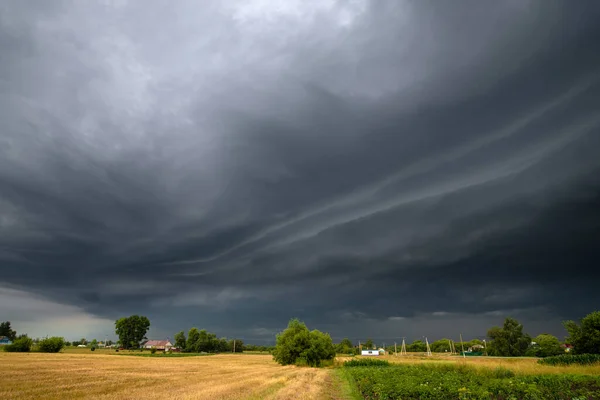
567 359
447 381
366 362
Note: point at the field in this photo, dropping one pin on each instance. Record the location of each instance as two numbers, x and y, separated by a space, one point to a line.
101 375
104 374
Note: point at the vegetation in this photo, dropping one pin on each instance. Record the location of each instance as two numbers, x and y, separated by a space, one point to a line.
418 346
21 344
567 359
456 381
508 341
366 362
51 345
6 330
298 345
202 341
345 347
585 337
131 330
545 346
180 340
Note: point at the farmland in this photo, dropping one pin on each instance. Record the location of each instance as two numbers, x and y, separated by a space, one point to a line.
104 374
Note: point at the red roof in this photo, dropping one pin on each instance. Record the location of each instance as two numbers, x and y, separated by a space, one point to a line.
157 343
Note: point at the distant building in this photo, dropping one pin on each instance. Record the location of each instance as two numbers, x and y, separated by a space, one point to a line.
158 344
567 347
369 352
4 341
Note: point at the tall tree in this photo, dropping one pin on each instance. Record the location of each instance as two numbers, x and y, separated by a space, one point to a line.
6 330
369 344
585 337
508 341
296 345
546 345
180 340
192 339
345 346
132 330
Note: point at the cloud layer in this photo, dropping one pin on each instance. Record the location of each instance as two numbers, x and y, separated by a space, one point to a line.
380 169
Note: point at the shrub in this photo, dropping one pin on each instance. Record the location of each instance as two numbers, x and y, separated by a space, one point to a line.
366 362
296 345
153 350
51 345
93 348
567 359
20 345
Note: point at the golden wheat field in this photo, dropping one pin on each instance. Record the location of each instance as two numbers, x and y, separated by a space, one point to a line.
104 376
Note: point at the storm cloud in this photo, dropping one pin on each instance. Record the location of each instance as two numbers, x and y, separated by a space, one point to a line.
375 168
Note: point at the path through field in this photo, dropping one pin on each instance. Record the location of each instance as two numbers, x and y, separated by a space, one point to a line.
77 376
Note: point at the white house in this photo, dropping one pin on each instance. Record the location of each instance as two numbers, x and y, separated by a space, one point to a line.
369 352
158 344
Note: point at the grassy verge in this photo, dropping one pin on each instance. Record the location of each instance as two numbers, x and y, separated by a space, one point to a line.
447 381
157 354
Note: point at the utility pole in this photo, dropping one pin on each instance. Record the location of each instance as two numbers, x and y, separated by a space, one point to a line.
450 344
403 348
234 345
359 347
462 346
428 348
395 350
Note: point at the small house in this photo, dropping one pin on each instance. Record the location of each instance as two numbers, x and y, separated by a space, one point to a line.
4 341
158 345
369 352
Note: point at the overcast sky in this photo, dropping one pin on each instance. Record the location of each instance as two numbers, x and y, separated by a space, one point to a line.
378 169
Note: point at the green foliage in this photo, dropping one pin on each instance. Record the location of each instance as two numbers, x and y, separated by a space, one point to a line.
235 345
22 344
418 346
440 346
369 344
131 330
546 345
202 341
508 341
94 343
93 348
180 340
153 350
345 347
51 345
567 359
296 345
585 337
448 381
6 330
366 362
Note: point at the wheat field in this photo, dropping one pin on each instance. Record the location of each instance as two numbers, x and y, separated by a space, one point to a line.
103 376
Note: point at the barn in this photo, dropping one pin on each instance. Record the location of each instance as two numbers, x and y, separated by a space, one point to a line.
158 344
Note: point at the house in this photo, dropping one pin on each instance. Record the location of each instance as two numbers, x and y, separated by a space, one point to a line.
158 345
4 341
475 348
369 353
566 347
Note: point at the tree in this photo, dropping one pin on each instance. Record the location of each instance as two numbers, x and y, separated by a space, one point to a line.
180 340
21 344
585 337
369 344
6 330
193 337
236 345
417 346
440 346
296 345
51 345
546 345
132 330
83 341
508 341
94 343
345 346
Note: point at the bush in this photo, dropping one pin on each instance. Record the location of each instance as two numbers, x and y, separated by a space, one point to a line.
366 362
93 348
296 345
20 345
153 350
51 345
567 359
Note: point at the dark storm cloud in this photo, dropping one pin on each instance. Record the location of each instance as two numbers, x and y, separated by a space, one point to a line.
376 168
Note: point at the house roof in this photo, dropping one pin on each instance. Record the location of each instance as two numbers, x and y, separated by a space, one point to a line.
157 343
4 338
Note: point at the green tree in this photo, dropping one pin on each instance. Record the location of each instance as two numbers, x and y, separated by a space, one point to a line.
192 339
369 344
417 346
132 330
585 337
6 330
21 344
51 345
345 346
94 343
296 345
546 345
238 347
180 340
508 341
440 346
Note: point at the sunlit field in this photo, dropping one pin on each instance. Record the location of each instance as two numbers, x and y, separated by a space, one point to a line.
105 375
